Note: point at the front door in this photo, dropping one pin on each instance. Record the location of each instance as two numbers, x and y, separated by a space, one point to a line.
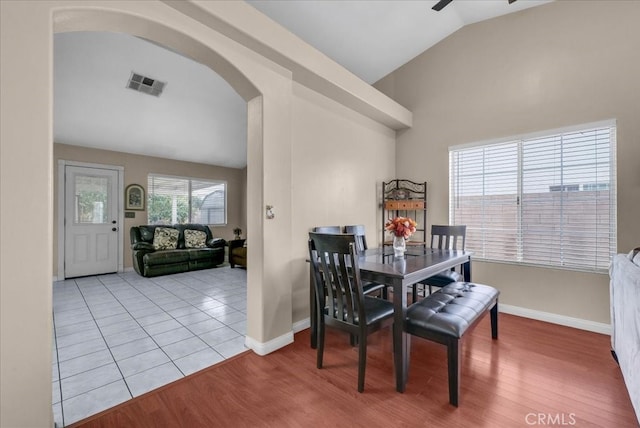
90 222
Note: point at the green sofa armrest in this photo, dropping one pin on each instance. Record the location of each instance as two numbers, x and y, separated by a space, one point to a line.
143 246
216 243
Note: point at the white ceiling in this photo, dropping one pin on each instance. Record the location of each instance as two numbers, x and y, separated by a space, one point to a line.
199 117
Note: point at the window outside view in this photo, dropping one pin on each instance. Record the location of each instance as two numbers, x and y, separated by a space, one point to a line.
174 200
545 201
91 199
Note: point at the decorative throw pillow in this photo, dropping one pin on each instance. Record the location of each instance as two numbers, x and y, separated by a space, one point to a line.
165 238
195 238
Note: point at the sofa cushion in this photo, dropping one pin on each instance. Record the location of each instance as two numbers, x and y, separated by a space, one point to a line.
165 238
195 238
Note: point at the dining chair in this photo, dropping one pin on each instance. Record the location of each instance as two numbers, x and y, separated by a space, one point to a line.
358 231
361 244
340 299
444 237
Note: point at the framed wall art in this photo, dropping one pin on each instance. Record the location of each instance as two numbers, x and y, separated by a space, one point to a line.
134 197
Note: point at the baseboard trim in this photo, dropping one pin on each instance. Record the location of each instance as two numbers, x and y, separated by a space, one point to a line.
301 325
566 321
264 348
125 270
277 343
578 323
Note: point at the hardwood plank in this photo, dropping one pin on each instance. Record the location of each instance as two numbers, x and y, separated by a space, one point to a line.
534 368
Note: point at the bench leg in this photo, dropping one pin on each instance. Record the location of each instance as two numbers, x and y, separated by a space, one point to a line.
453 364
494 321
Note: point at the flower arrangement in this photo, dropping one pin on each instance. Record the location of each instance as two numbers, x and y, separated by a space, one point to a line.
401 226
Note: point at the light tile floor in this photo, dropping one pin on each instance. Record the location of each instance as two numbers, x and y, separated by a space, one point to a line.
121 335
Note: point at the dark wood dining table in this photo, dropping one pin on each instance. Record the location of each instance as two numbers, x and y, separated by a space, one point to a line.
379 265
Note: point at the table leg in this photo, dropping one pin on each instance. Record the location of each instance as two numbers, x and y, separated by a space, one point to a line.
466 270
401 340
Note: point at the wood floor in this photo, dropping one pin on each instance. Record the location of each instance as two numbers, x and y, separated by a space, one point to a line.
535 374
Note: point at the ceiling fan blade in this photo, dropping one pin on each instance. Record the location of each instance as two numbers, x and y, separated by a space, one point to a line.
440 5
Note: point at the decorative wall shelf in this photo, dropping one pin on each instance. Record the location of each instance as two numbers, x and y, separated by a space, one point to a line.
405 198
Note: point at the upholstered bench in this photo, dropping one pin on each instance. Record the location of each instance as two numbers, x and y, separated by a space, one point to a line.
446 315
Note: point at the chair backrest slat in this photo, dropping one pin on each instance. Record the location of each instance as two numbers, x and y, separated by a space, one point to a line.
448 237
358 231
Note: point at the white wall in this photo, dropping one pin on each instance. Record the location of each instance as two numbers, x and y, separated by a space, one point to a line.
560 64
26 220
339 160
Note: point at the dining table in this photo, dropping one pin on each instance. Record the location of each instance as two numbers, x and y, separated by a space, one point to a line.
399 273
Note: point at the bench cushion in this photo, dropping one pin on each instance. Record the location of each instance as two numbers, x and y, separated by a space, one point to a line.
452 309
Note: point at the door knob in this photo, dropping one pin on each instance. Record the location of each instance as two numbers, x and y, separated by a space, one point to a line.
114 229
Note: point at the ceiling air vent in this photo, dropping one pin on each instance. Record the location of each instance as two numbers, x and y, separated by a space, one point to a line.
141 83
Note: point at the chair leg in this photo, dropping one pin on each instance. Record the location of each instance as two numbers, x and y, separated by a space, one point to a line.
362 361
320 343
414 293
494 321
353 340
453 364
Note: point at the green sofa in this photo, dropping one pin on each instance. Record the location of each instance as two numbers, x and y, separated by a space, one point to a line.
161 250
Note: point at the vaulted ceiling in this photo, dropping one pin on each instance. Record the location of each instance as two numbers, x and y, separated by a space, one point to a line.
198 117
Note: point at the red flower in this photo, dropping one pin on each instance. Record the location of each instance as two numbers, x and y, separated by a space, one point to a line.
401 226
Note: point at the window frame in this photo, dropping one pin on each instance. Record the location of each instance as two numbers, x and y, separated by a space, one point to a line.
520 224
189 183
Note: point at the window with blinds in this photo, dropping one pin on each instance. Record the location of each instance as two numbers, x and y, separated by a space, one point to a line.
174 200
547 199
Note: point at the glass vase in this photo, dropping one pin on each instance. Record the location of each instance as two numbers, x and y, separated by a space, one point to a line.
399 246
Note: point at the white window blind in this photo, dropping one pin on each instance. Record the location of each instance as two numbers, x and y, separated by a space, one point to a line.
174 200
545 200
